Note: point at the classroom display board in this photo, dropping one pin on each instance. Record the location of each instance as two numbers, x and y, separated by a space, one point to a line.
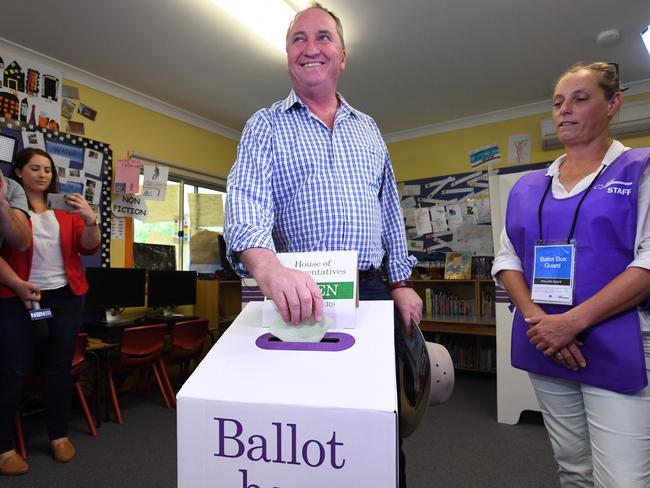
447 213
83 166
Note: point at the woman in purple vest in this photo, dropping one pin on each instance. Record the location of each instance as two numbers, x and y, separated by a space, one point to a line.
575 260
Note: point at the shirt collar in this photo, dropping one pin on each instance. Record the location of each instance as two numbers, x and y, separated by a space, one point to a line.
294 99
616 148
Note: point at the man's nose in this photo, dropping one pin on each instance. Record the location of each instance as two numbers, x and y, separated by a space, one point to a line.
311 48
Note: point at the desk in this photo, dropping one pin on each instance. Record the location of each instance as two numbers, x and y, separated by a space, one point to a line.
112 333
99 351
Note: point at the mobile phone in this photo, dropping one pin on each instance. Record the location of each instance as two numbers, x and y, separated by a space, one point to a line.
57 201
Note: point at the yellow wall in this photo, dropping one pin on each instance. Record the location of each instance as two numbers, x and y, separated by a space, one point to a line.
129 127
448 152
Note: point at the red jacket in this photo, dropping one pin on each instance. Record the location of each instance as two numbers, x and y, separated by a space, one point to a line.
70 228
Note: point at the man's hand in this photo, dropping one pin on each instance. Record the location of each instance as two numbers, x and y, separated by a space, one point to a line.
294 292
409 306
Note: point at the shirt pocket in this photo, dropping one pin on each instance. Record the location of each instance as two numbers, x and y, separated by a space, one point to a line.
366 167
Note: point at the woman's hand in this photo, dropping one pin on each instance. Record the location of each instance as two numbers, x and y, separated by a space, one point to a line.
571 356
550 333
81 208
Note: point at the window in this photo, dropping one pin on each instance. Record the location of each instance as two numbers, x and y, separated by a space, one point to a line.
188 219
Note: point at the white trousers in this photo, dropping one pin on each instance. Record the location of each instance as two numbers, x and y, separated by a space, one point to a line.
600 438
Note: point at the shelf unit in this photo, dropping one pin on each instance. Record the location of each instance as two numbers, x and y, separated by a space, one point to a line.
219 301
469 334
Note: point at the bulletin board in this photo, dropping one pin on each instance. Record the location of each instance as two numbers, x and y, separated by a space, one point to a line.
83 166
447 213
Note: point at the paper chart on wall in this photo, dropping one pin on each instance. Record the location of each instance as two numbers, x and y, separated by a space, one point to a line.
154 181
423 221
408 202
411 190
438 219
519 148
92 162
33 139
482 214
127 173
475 239
117 228
409 216
454 215
92 190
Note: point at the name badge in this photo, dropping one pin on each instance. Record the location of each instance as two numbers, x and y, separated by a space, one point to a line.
40 314
553 278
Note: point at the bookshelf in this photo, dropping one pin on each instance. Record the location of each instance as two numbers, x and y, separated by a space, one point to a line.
219 301
459 314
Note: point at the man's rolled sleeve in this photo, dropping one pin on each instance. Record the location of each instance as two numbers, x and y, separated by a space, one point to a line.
249 206
399 264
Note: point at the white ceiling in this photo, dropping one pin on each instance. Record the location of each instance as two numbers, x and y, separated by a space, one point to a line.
411 63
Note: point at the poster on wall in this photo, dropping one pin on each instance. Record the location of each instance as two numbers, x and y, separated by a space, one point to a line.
29 92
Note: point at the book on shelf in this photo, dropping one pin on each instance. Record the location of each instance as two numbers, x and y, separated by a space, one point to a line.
441 302
469 354
482 267
487 304
458 266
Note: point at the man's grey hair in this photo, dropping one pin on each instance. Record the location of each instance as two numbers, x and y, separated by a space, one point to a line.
339 26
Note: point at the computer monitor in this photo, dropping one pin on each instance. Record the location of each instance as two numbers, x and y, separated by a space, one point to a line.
167 289
113 289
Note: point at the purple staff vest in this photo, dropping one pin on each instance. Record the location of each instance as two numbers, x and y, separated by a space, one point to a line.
604 238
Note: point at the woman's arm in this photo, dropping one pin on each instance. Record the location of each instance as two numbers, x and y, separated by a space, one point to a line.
549 333
515 284
90 237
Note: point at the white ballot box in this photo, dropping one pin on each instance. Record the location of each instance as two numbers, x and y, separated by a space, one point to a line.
259 413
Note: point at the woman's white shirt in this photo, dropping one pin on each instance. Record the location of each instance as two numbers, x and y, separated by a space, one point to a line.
48 272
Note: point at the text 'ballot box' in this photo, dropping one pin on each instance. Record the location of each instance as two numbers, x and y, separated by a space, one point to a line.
258 413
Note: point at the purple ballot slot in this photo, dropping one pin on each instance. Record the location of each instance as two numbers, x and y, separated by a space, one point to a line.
333 341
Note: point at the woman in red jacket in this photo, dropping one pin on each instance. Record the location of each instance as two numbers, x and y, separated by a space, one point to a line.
53 264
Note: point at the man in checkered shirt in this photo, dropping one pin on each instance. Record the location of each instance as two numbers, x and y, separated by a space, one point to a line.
313 174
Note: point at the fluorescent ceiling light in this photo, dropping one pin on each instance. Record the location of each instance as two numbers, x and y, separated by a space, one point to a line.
645 35
267 18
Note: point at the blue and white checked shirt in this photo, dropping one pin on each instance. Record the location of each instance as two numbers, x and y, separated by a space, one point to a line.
298 186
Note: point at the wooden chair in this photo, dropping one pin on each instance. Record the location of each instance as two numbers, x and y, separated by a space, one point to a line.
140 349
188 339
78 358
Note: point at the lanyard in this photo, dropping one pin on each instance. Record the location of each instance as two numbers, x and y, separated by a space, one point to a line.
575 215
